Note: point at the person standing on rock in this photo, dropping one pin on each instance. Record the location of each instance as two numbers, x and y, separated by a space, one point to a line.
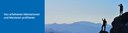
121 9
104 24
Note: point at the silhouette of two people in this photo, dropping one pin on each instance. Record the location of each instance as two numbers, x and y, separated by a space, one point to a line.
121 9
104 25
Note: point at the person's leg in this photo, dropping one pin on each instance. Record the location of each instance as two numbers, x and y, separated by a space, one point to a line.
120 12
102 28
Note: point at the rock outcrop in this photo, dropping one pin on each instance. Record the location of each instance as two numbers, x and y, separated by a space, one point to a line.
120 24
103 32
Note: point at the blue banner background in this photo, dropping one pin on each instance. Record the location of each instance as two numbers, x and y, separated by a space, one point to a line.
22 26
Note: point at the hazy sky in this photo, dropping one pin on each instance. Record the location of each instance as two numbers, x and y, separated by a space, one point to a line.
69 11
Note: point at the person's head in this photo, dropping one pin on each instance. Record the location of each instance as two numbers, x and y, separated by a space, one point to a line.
103 19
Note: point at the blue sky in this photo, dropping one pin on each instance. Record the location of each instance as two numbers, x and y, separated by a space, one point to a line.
69 11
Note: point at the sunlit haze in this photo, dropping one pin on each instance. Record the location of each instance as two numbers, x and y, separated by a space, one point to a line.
69 11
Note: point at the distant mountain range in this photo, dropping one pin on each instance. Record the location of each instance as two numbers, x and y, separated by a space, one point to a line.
77 27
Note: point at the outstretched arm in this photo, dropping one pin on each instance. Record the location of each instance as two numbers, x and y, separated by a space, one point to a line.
102 19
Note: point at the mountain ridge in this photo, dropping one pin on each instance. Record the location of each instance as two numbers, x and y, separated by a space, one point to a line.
77 27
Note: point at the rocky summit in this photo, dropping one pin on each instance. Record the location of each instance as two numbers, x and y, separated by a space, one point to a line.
120 24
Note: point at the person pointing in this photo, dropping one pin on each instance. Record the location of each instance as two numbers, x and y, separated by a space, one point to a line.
121 9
